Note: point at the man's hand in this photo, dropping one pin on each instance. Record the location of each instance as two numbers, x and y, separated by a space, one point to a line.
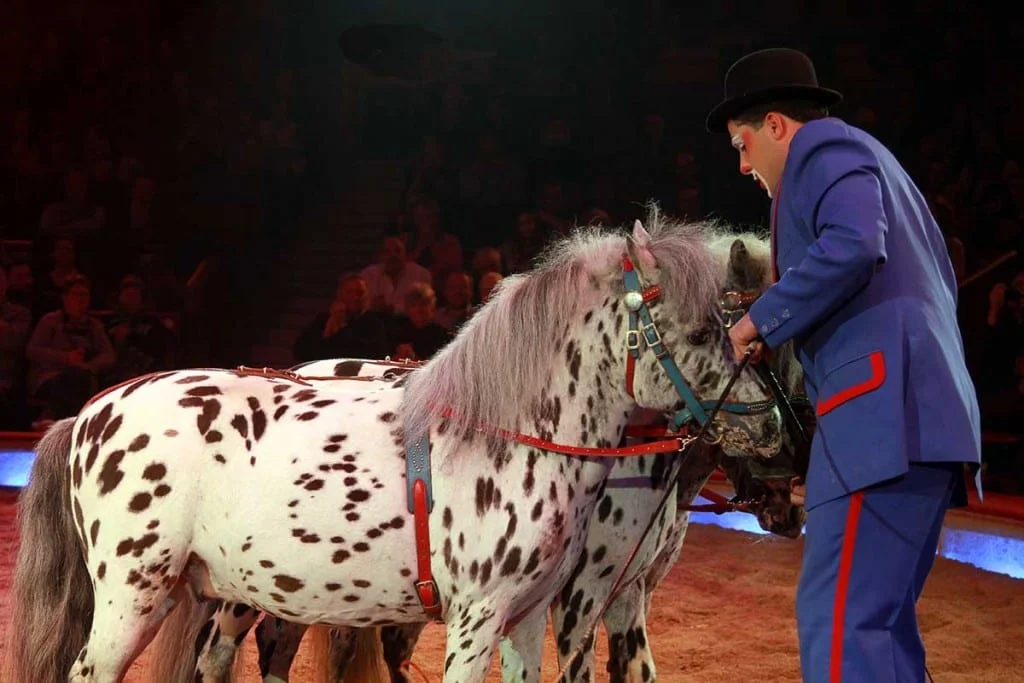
797 491
742 335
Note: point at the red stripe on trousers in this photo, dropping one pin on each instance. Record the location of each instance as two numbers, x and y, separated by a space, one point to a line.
843 585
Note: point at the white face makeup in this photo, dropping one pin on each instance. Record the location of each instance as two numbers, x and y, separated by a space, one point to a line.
737 143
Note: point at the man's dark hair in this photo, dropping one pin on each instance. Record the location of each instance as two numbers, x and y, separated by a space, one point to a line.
798 110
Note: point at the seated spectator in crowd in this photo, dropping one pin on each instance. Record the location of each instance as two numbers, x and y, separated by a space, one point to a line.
427 234
447 259
142 342
76 215
389 280
348 330
488 281
67 352
530 238
49 294
20 284
485 260
15 326
458 301
414 335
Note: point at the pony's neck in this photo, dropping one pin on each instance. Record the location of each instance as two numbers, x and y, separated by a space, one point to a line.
586 403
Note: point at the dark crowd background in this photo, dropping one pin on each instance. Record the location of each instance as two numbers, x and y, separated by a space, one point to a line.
222 183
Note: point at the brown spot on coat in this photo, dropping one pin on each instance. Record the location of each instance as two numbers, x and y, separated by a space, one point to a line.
289 584
154 472
111 475
139 502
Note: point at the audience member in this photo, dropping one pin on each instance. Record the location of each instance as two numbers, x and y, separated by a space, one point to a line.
488 281
389 280
458 301
414 335
67 352
142 341
349 329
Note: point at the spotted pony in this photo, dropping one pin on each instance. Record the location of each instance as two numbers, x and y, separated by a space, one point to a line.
291 499
634 489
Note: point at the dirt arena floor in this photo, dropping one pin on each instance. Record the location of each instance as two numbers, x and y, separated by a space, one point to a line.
725 614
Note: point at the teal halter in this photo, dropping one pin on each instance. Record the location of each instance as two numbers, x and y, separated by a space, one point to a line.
642 325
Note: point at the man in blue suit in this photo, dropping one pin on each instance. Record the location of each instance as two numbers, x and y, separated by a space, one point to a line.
865 289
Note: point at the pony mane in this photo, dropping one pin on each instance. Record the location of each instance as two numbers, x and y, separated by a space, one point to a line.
500 361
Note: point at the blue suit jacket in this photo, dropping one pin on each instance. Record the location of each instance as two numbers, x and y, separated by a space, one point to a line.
867 294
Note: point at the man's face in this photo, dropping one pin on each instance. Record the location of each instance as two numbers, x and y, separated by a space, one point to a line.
758 155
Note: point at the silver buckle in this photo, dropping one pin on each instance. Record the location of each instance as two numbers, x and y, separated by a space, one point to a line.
652 341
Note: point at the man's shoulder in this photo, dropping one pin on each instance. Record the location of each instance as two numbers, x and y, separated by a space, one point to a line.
825 150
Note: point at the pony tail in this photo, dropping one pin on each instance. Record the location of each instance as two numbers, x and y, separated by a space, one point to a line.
52 595
173 653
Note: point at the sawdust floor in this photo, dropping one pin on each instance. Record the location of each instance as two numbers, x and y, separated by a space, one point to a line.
725 613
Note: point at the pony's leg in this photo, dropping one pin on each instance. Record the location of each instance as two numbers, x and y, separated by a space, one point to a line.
472 634
629 657
277 642
124 622
522 649
569 620
343 649
398 643
219 640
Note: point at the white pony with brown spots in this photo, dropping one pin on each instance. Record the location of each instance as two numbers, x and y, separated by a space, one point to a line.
291 499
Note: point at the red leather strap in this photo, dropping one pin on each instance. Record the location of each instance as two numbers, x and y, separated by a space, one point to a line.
426 587
650 294
670 445
719 504
630 370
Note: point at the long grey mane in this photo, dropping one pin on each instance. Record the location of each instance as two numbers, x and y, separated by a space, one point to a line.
503 356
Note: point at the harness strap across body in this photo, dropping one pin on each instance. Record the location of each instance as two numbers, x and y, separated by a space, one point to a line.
420 503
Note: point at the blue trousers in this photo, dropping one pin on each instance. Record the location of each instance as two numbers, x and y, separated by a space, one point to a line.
866 558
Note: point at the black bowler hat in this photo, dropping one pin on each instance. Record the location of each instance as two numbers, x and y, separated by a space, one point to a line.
768 76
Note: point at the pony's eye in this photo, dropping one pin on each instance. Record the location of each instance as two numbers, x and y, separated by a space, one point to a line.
699 337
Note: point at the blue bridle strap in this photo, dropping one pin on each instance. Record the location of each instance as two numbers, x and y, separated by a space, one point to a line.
642 324
640 314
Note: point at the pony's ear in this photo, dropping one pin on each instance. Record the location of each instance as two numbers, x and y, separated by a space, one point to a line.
746 272
640 242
